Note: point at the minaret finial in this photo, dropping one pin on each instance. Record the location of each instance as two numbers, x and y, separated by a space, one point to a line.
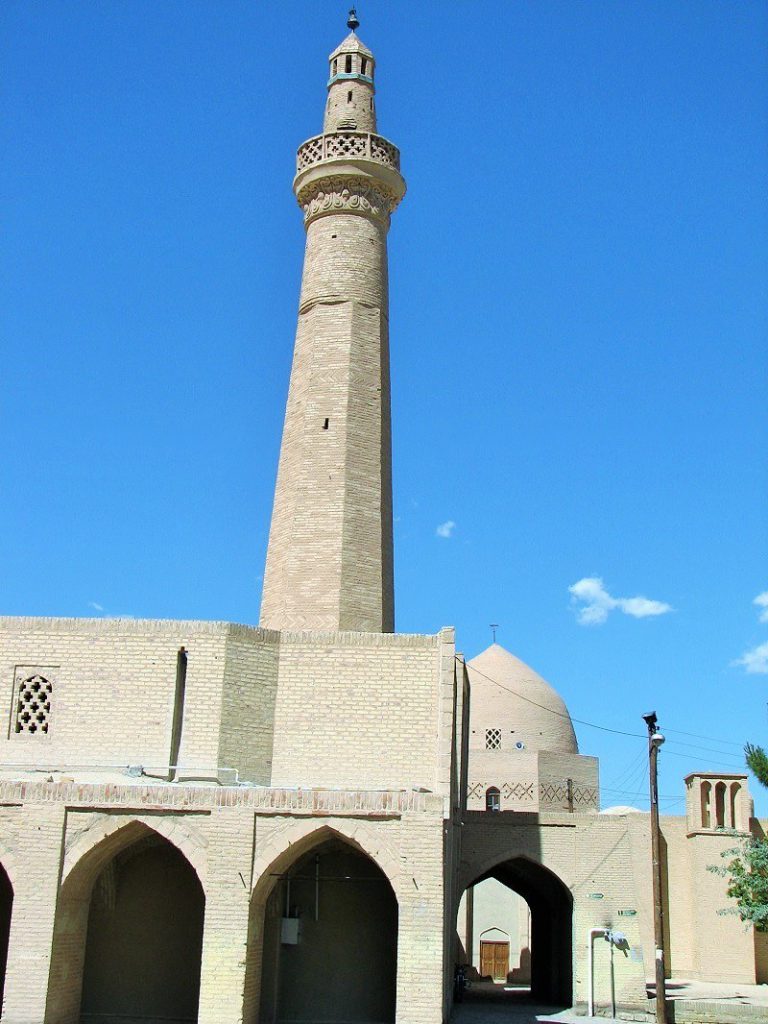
352 20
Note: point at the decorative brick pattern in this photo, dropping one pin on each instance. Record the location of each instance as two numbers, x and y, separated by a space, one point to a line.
521 791
348 144
33 704
492 739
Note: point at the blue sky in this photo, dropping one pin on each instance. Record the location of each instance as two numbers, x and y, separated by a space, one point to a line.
578 321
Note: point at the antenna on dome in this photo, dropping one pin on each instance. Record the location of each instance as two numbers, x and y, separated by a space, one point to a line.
494 627
352 21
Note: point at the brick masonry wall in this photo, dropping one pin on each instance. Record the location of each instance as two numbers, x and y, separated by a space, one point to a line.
248 703
114 685
589 854
372 708
329 560
237 840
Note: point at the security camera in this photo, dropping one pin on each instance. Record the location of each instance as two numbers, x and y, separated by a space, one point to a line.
650 720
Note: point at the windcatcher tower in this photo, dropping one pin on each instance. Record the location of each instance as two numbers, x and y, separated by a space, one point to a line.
329 561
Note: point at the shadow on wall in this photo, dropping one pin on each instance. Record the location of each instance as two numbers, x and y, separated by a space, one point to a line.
521 975
145 936
548 960
128 935
6 908
330 939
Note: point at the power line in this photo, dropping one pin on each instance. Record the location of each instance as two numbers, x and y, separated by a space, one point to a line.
717 764
560 714
710 750
616 732
712 739
625 792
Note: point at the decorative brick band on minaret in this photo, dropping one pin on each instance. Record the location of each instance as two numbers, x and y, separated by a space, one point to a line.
329 561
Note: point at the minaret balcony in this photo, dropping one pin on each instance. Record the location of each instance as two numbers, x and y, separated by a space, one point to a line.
347 146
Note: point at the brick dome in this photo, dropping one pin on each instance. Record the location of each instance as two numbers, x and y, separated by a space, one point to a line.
507 695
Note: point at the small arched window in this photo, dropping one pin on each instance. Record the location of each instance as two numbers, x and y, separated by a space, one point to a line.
363 66
706 794
492 799
348 64
735 787
720 805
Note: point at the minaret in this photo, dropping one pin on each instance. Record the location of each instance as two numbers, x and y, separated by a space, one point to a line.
329 561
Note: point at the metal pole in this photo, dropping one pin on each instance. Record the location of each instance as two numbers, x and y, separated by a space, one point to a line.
655 739
593 932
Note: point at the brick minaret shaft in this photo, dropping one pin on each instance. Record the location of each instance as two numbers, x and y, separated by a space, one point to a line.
329 561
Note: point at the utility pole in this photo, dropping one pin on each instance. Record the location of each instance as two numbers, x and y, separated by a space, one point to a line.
655 740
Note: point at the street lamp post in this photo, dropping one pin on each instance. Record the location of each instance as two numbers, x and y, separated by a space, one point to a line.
655 740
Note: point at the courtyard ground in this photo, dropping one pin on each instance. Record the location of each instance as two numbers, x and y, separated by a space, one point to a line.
486 1003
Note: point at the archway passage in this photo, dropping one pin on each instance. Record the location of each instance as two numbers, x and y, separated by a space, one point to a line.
330 940
6 909
544 953
144 939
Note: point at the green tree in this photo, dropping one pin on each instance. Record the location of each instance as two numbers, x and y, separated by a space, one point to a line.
747 874
747 869
757 761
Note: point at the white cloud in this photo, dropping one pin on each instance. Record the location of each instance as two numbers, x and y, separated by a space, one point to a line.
762 603
446 529
755 661
593 603
96 606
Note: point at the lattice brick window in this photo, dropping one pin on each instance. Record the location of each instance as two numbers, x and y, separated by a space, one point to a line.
32 706
492 739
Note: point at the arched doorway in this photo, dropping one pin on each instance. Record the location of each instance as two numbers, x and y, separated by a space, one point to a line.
6 909
329 939
540 926
144 936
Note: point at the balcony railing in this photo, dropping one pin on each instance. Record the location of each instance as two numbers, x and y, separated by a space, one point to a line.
347 144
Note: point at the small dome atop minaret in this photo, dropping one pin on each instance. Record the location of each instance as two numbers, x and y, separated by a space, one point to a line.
351 44
350 105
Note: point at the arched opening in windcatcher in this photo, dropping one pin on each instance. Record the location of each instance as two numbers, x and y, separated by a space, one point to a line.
6 909
144 937
329 939
515 931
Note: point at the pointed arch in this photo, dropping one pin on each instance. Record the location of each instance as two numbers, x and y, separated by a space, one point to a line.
9 862
298 837
109 834
550 902
285 861
7 891
107 840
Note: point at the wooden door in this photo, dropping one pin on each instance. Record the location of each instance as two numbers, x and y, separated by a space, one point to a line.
494 960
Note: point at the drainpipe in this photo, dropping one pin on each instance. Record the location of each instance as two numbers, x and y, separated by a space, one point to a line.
613 939
593 933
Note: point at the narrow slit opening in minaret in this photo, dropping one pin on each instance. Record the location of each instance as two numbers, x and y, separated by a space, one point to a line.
335 66
326 423
348 65
349 97
363 66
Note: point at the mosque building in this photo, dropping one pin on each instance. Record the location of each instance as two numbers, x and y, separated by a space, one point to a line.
316 818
